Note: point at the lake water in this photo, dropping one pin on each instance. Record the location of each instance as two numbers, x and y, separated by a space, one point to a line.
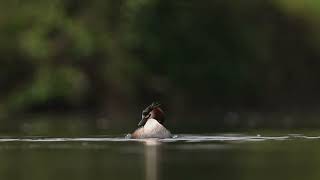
209 156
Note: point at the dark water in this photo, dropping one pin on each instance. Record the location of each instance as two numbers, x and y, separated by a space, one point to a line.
227 156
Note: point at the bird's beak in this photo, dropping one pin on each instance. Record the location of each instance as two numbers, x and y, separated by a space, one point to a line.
143 120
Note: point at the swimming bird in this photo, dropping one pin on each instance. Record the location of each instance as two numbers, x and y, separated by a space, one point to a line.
151 124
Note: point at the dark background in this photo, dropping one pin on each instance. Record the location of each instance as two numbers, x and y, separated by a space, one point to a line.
88 67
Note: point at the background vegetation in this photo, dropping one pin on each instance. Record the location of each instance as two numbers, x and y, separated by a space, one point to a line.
213 64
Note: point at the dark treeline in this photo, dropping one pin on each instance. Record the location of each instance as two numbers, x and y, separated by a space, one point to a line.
116 56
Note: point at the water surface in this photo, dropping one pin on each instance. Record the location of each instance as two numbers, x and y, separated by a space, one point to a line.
210 156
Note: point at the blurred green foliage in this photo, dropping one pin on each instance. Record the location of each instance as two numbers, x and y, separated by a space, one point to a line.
113 54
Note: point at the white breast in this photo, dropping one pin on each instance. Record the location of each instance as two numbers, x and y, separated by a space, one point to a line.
153 129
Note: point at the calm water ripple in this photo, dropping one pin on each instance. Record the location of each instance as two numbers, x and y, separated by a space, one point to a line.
177 138
243 156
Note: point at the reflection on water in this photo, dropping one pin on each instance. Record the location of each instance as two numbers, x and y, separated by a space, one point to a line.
152 155
228 156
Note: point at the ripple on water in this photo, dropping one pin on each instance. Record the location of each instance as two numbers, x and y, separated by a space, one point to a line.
177 138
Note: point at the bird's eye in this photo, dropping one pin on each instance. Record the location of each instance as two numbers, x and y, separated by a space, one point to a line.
145 113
